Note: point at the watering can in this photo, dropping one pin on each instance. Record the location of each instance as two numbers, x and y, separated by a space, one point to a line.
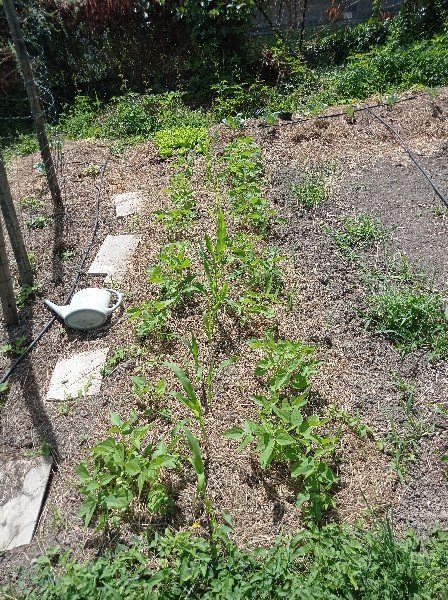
88 309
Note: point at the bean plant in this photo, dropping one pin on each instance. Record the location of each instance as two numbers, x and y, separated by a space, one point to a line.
244 168
182 211
284 431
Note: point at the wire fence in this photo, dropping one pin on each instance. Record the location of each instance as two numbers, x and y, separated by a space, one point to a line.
290 14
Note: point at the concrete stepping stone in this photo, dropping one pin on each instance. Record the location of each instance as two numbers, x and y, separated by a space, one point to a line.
79 375
23 482
113 256
127 204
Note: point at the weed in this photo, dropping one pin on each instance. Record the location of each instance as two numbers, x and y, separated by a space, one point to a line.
151 317
440 211
411 318
64 409
66 255
92 169
45 449
121 470
357 233
17 348
25 293
181 140
30 202
120 354
310 193
38 222
172 274
39 167
405 429
57 520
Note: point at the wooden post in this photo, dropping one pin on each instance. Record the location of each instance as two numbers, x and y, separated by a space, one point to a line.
33 98
7 297
13 228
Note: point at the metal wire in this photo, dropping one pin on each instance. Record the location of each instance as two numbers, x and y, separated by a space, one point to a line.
99 189
412 156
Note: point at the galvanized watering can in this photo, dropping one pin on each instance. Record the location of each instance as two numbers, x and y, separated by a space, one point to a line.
88 309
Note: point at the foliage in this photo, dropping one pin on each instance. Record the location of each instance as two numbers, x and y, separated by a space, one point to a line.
406 429
172 274
151 317
244 169
121 470
284 434
330 563
25 293
358 232
38 222
183 205
411 317
180 140
310 193
15 348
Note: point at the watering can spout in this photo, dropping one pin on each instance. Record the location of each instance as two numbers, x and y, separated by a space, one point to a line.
61 311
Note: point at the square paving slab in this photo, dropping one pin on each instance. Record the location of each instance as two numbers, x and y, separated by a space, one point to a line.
79 375
114 255
23 482
127 204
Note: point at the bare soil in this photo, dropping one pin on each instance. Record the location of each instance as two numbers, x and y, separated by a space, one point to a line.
366 172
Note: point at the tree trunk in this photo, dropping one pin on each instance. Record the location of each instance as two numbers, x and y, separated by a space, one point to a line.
13 228
302 23
7 298
33 98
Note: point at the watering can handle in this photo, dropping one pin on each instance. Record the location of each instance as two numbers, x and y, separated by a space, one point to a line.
118 302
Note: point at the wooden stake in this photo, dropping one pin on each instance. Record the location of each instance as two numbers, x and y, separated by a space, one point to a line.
7 297
33 98
13 228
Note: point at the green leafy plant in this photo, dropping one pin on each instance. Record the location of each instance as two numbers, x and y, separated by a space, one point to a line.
310 192
357 233
183 205
189 398
214 259
283 432
150 317
406 429
172 274
244 169
30 202
259 273
411 317
16 348
180 140
38 222
120 354
25 293
120 471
